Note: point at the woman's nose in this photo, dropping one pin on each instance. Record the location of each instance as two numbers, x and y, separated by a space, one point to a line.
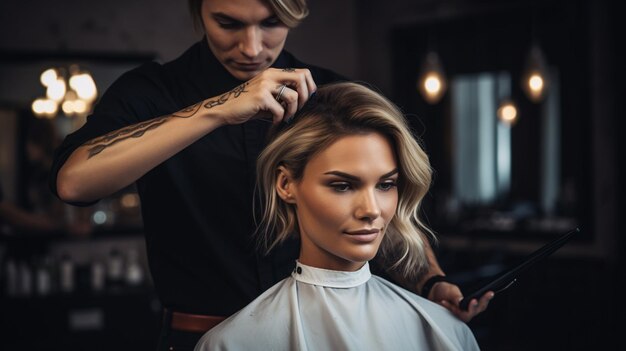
367 208
250 44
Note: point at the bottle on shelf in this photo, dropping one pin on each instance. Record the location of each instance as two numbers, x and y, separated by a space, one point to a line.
44 276
11 276
25 279
98 276
66 274
134 271
115 270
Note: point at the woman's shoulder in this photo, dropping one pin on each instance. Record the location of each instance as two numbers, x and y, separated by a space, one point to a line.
442 322
261 324
416 301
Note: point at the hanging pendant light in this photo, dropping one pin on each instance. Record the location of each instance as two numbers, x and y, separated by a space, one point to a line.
507 112
535 79
71 91
432 82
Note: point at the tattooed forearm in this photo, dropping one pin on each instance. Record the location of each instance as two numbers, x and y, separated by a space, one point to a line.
188 112
124 131
143 126
134 131
98 145
224 97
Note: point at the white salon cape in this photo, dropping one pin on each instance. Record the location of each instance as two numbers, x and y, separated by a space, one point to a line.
319 309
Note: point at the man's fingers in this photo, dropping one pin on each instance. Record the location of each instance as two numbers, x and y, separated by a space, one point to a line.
289 102
310 82
274 108
279 92
284 105
303 88
299 80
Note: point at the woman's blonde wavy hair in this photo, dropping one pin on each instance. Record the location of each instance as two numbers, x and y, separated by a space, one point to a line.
290 12
339 110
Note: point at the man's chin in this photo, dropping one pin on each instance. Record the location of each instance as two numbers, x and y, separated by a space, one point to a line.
243 75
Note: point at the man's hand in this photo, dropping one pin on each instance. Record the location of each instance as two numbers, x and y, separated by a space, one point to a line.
449 296
274 93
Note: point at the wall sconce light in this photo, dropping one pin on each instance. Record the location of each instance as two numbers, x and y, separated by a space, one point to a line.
74 95
507 112
432 83
535 79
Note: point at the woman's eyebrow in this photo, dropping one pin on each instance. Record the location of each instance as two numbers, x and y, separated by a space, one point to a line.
389 174
343 175
355 178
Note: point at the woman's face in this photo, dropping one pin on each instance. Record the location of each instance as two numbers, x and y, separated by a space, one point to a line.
244 35
344 201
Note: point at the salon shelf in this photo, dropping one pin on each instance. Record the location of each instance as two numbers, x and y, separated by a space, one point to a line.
98 233
124 320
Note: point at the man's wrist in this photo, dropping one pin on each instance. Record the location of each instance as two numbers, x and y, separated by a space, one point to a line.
430 283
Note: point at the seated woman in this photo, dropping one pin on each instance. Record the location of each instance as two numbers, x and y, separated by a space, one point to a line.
347 176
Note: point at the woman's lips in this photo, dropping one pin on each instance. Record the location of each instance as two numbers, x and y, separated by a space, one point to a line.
363 235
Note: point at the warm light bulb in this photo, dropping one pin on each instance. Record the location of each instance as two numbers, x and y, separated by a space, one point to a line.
38 107
48 77
73 104
74 96
80 106
56 90
84 86
68 107
129 200
51 107
44 107
535 75
507 113
432 84
432 79
535 82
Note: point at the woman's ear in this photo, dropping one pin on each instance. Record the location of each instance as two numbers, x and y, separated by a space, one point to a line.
285 185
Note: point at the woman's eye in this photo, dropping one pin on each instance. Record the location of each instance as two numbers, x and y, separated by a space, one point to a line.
340 187
386 186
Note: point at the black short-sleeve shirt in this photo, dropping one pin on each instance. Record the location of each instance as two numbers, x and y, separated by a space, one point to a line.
197 205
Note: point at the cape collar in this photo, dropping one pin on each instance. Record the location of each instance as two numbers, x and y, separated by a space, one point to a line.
329 278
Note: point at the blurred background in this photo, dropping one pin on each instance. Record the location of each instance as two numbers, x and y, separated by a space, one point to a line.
516 102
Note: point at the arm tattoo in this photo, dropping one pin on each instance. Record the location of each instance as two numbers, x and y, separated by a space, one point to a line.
223 98
188 112
289 69
98 145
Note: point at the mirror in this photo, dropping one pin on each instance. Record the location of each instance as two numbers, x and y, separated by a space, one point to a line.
491 178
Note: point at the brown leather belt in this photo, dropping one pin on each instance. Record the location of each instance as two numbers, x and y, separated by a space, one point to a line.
195 323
